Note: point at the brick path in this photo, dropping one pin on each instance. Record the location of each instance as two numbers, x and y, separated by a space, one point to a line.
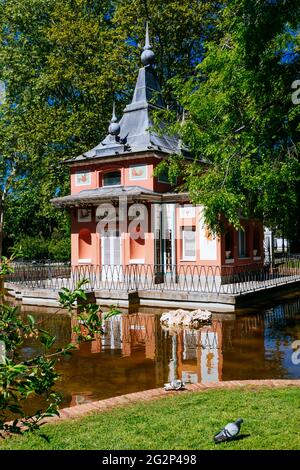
156 393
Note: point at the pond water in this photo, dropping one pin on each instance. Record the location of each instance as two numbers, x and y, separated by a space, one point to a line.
136 353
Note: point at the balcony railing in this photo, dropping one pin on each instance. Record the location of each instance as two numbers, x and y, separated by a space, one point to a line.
189 279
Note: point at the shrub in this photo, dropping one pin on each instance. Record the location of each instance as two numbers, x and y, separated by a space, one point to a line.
34 248
40 248
60 250
21 378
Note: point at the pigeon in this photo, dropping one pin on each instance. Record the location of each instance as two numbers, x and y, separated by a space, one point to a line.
174 385
229 432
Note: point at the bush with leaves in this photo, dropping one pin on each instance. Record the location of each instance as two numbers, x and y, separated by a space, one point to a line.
88 315
60 249
34 248
56 248
22 379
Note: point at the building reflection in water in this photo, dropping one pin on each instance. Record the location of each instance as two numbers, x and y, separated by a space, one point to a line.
136 353
200 355
190 355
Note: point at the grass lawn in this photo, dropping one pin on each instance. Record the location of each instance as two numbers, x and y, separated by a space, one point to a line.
185 421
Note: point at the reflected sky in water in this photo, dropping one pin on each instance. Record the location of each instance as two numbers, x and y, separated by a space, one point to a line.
136 353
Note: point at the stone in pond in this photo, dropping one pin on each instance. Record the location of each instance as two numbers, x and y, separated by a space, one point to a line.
184 318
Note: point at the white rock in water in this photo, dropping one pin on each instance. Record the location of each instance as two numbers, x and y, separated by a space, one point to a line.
201 315
166 317
185 318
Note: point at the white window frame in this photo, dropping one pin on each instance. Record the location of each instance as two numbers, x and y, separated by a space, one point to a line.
111 185
111 236
184 256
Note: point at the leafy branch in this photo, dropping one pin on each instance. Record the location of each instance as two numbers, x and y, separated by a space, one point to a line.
36 377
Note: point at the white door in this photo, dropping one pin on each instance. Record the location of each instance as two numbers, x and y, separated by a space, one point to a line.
111 255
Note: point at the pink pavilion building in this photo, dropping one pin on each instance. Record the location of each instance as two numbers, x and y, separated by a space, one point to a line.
123 215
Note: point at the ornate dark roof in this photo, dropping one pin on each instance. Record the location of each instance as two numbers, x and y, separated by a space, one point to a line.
136 126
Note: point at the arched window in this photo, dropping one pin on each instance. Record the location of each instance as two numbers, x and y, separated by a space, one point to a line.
137 250
85 246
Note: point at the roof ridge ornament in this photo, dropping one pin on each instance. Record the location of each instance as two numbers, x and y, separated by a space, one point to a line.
114 127
148 57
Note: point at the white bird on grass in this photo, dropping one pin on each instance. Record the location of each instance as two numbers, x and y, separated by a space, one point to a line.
229 432
175 385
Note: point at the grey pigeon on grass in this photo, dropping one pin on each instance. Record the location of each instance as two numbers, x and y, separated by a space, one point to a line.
229 432
174 385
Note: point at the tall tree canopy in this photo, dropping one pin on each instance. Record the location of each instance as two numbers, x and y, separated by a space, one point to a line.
240 117
63 63
61 71
229 64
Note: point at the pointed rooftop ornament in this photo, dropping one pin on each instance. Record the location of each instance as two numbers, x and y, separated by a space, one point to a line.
114 127
135 132
147 56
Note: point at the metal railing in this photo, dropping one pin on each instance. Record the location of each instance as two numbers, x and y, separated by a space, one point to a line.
179 278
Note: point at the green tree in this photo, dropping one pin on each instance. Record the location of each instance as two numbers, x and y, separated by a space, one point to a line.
7 178
63 63
178 32
240 119
61 69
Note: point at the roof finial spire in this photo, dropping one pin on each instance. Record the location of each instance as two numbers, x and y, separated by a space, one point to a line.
114 127
147 56
147 39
